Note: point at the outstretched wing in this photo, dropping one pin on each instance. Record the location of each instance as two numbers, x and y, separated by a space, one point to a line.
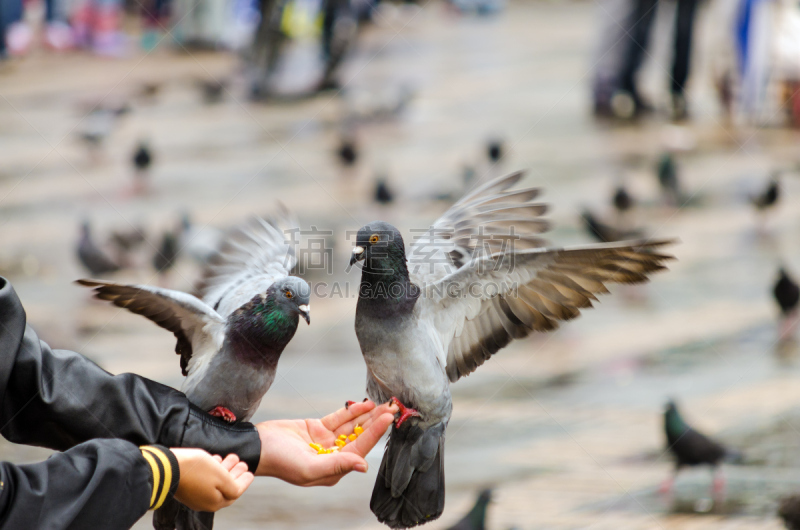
481 307
252 257
488 220
192 321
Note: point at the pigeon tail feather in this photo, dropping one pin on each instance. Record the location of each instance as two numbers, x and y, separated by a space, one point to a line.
409 490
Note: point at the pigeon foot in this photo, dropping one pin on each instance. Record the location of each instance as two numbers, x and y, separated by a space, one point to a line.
222 412
666 486
405 412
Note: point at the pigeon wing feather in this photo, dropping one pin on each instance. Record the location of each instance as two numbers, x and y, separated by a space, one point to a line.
198 328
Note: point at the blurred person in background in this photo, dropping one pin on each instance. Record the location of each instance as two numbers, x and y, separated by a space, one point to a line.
333 22
635 41
10 27
97 24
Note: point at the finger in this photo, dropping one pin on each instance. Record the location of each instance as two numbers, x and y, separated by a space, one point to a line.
367 419
230 461
336 465
243 481
345 414
238 470
367 440
217 458
229 488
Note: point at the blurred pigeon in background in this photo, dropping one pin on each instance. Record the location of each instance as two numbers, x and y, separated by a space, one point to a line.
691 448
606 233
494 150
667 172
789 511
383 194
622 200
476 517
420 335
768 198
787 294
91 256
142 160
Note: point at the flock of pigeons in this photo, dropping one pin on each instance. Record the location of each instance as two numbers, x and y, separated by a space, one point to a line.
424 319
418 330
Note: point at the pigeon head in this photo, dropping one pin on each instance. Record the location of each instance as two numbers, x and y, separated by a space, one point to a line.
292 296
380 246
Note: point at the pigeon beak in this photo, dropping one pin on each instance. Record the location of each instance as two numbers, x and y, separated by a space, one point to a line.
305 312
358 255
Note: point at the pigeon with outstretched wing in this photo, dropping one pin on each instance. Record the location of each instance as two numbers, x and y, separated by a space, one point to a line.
229 341
478 278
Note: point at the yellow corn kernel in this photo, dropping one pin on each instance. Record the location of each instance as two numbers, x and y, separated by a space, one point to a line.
358 430
315 446
342 437
352 437
340 443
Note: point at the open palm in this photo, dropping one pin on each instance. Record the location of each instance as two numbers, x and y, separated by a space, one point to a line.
286 453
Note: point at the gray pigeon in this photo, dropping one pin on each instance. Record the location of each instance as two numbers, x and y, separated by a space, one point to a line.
465 289
91 256
231 340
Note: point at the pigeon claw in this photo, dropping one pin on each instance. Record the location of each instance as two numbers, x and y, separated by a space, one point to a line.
222 412
405 412
348 403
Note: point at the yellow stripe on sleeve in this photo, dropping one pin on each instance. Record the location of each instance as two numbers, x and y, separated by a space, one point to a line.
156 475
167 473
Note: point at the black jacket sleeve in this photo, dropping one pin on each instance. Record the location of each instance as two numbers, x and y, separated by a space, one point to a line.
98 484
59 398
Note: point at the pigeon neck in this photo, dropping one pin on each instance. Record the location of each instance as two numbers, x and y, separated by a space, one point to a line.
387 284
260 330
674 423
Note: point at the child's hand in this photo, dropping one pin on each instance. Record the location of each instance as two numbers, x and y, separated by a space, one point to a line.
209 483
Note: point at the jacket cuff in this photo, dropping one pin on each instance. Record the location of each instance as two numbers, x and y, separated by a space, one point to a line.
219 437
164 471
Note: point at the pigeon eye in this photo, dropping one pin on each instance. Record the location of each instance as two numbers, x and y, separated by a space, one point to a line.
373 238
289 294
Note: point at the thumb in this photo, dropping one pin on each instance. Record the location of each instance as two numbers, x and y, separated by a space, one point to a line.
341 463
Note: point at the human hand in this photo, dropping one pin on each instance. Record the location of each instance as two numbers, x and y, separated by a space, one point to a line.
209 483
286 454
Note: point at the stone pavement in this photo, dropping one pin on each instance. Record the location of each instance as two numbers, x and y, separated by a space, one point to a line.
566 426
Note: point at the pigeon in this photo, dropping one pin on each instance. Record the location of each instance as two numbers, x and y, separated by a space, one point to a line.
622 200
98 124
769 197
668 179
789 511
787 294
494 150
229 341
383 194
199 243
605 233
212 90
479 277
347 152
476 517
124 242
167 253
127 240
91 256
691 448
142 158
